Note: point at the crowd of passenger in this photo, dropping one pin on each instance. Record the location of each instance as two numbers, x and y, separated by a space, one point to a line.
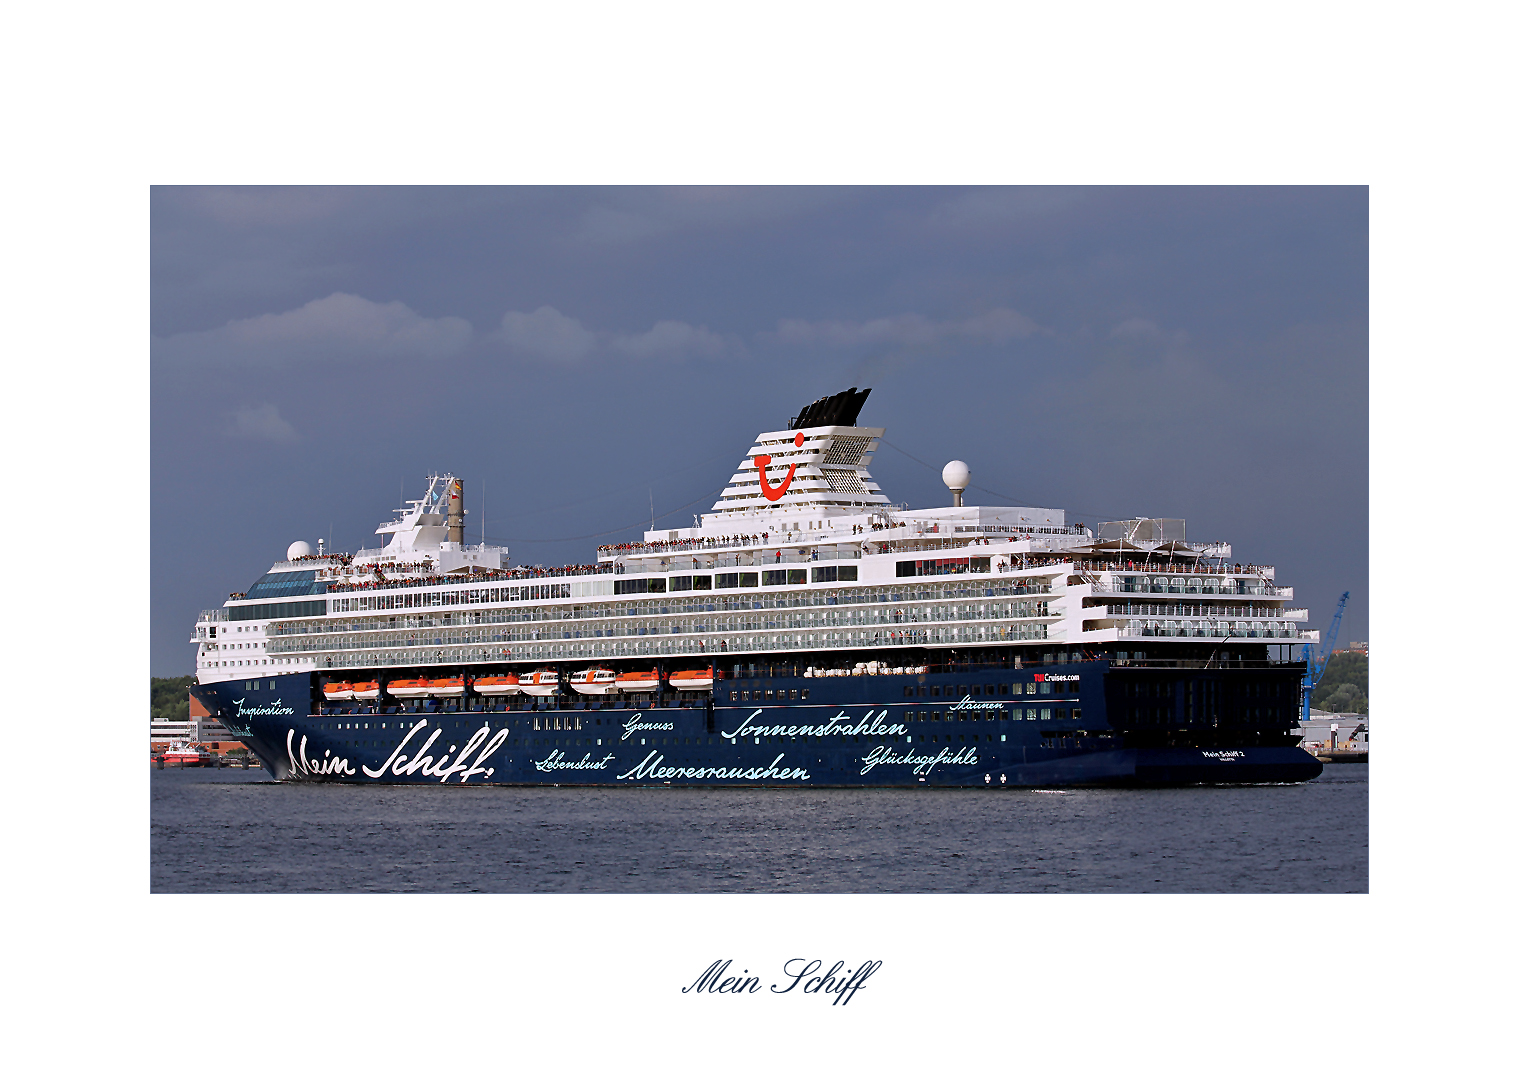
474 576
701 544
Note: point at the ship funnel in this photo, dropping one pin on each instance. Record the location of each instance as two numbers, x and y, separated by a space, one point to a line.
456 511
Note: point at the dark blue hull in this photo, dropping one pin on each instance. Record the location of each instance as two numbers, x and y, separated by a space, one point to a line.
867 731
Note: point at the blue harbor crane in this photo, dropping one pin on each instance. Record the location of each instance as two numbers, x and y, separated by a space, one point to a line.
1315 669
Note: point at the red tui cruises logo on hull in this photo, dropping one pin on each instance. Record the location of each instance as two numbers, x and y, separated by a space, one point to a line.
762 462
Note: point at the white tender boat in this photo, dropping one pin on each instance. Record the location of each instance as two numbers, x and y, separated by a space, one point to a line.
594 681
540 683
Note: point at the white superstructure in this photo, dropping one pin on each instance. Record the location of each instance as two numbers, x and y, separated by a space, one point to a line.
802 553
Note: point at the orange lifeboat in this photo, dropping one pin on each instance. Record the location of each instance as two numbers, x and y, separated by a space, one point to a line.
540 683
338 691
409 688
637 681
448 687
366 691
691 679
497 685
594 681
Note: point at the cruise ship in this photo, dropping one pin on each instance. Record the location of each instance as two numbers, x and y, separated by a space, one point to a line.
806 632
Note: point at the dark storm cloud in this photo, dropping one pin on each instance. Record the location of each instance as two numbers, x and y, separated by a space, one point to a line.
573 352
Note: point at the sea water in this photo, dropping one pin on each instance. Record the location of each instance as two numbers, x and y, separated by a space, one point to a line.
233 830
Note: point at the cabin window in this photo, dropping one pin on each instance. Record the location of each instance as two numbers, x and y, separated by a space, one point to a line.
748 580
793 694
933 691
804 694
727 580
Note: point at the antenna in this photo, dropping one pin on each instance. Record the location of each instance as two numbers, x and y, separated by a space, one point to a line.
651 509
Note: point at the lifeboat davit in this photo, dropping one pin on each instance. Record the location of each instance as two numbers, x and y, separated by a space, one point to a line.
338 691
540 683
691 679
594 681
448 687
497 685
637 681
366 691
410 688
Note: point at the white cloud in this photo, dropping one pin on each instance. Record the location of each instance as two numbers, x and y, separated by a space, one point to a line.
339 327
999 324
262 422
546 335
671 340
1143 330
996 325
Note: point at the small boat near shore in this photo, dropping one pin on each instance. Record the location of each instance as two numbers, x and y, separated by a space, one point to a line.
187 755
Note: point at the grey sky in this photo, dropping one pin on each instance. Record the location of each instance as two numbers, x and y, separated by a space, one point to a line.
1186 352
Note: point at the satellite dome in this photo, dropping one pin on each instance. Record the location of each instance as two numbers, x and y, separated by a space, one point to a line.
957 475
298 549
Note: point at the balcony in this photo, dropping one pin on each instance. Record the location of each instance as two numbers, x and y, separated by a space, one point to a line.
1191 586
1187 610
1276 631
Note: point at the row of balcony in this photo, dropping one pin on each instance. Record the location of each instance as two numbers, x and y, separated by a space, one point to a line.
1187 610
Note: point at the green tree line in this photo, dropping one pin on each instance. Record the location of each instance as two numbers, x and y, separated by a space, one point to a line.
1344 686
171 698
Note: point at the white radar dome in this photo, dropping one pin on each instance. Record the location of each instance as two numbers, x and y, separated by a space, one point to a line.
957 475
298 549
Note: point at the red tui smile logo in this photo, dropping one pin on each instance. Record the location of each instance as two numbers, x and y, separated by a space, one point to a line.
762 461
